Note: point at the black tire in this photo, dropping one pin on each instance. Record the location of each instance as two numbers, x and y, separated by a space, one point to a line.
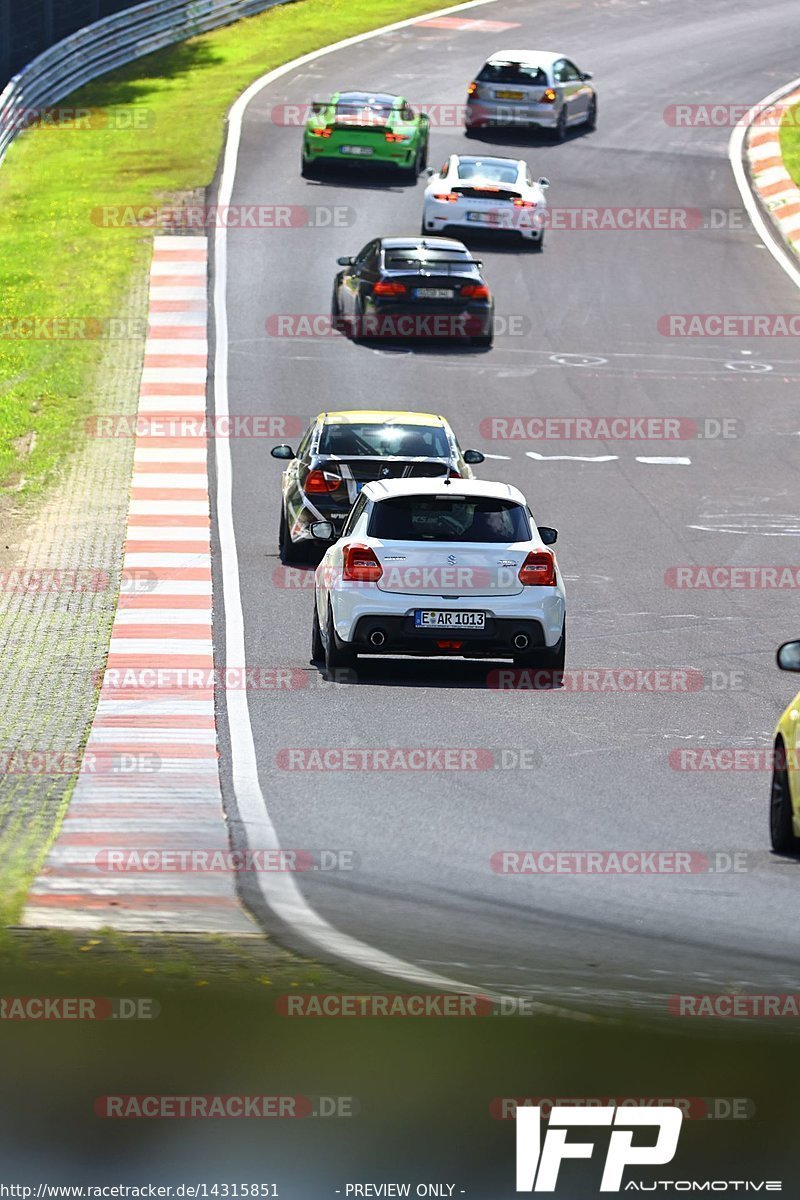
536 245
308 170
356 323
781 833
483 340
411 174
425 152
547 660
337 321
317 647
470 131
591 118
339 656
289 552
560 131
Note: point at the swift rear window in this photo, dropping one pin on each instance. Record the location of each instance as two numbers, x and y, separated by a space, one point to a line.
430 519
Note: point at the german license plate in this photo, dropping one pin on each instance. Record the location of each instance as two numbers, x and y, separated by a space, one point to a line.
429 618
434 293
356 149
510 95
485 218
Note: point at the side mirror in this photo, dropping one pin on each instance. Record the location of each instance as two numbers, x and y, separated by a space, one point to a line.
317 106
788 656
586 75
345 262
282 452
429 171
473 457
544 182
548 535
322 531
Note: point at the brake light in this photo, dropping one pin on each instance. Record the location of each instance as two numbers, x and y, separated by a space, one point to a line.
449 645
486 187
475 291
454 474
548 96
524 204
322 481
472 89
396 137
538 570
361 564
447 196
385 288
322 131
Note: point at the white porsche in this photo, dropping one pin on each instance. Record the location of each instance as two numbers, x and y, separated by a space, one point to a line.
432 567
484 193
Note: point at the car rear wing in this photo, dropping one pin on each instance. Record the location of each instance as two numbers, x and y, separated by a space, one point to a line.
399 262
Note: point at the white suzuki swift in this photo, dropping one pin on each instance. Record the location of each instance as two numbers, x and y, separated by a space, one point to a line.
432 567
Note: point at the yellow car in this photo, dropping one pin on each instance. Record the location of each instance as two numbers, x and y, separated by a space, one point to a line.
784 806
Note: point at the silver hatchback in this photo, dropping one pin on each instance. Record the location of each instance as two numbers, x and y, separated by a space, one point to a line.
534 88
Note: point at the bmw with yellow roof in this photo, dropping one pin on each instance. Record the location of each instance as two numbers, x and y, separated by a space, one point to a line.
366 128
341 451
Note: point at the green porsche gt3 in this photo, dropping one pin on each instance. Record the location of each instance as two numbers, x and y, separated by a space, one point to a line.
362 127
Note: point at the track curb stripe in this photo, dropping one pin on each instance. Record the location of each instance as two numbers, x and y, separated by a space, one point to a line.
771 182
149 779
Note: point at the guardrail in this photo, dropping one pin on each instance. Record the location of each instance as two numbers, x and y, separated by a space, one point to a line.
106 44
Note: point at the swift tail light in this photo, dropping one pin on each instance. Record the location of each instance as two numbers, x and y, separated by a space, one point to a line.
475 291
322 481
453 474
538 570
548 96
449 196
322 131
361 564
385 287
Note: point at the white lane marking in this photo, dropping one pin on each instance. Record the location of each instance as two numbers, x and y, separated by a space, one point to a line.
504 457
666 462
279 891
735 156
571 457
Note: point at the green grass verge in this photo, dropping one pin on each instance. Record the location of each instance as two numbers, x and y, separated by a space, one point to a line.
57 263
790 142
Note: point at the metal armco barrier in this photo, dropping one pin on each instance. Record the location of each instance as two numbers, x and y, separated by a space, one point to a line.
104 45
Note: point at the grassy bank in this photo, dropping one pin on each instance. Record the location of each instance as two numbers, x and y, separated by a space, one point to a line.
155 133
790 142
